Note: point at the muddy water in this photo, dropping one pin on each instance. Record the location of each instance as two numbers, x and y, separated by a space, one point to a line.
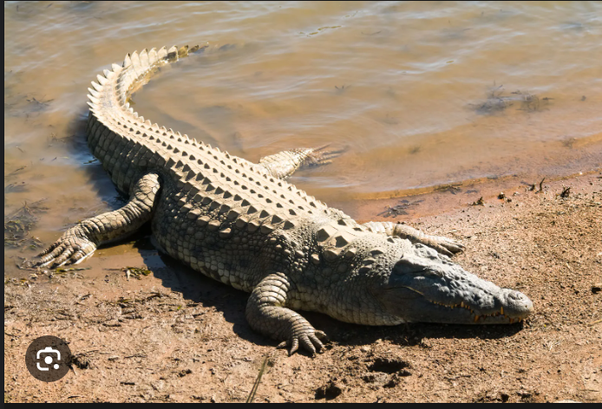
419 94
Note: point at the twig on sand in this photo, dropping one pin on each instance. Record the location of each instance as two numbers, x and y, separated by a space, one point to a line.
258 380
594 323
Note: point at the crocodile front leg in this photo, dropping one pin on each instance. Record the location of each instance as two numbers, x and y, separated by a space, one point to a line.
267 314
81 240
283 164
442 244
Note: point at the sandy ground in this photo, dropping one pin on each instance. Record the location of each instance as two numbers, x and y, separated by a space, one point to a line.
175 336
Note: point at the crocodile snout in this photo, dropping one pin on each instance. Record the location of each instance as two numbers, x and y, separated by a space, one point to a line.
518 305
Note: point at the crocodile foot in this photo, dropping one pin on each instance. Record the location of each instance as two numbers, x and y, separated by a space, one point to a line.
72 247
443 245
322 155
309 339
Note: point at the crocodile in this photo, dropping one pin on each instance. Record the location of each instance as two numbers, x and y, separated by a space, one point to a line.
243 224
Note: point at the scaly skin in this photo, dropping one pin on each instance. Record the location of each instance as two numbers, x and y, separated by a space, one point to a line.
242 224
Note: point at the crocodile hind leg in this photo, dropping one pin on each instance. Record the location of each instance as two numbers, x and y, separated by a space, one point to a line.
443 245
283 164
267 314
81 240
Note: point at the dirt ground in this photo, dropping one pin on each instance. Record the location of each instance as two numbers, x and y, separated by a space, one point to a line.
176 336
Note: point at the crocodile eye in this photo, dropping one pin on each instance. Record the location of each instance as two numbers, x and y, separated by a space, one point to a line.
408 266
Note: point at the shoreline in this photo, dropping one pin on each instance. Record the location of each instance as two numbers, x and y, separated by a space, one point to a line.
443 199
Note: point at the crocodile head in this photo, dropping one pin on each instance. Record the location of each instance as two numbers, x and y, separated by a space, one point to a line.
424 286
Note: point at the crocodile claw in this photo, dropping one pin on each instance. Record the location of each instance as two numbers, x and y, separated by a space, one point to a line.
308 340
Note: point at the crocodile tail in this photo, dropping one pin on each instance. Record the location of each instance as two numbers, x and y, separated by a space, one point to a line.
143 66
119 83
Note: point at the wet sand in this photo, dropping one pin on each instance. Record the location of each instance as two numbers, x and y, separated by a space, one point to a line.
175 336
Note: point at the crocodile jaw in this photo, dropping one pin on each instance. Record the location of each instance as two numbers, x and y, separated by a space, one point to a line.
427 287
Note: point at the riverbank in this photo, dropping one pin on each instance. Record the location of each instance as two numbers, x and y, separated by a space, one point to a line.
175 336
